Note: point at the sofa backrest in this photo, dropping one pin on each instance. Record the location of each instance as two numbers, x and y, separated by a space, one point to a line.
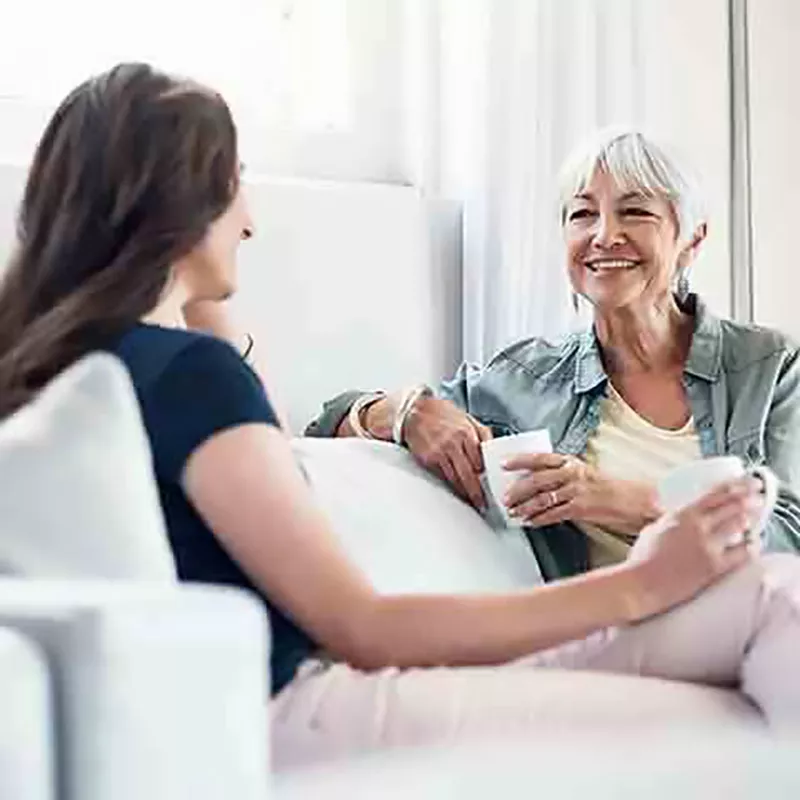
343 285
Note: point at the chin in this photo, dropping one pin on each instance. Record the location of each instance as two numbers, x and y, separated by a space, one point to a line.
612 301
221 291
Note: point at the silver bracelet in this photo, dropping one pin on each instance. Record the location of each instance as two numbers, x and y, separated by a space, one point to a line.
407 402
354 415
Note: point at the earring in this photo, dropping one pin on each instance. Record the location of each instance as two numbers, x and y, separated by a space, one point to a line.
682 289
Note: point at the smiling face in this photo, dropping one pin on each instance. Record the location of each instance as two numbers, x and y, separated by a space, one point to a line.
623 246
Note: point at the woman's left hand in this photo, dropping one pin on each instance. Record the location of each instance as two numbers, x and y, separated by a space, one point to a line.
562 487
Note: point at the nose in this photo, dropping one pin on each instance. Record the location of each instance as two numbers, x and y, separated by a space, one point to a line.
609 231
248 226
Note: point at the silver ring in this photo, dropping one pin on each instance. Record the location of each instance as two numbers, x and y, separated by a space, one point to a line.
553 498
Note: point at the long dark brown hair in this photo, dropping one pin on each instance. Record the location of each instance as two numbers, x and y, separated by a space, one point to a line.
129 174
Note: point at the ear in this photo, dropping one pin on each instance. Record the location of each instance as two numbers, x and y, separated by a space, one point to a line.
690 251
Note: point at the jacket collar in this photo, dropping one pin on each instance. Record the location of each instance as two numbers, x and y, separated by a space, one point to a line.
705 351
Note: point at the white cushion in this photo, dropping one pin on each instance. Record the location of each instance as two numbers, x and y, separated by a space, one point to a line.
77 495
404 528
571 765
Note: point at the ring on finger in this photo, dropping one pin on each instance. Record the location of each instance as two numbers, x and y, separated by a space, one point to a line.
552 499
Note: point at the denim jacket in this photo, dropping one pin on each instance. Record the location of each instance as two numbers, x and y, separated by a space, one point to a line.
743 386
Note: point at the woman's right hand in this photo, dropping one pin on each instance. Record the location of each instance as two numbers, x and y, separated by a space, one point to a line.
447 441
682 553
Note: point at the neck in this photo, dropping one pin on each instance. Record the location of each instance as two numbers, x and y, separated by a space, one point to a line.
169 312
639 339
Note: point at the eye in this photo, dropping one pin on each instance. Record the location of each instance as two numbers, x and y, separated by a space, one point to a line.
637 211
579 214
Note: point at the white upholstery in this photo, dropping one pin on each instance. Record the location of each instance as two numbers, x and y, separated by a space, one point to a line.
405 529
569 767
78 498
162 691
27 756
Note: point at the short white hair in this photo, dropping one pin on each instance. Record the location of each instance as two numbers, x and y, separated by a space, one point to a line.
636 164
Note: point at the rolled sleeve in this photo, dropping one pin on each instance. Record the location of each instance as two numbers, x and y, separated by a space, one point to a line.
333 413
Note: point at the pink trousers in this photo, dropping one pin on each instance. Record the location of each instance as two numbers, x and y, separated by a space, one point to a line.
743 633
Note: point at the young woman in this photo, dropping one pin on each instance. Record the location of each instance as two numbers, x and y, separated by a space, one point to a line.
130 221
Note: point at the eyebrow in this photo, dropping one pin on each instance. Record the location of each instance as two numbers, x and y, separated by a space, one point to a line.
623 198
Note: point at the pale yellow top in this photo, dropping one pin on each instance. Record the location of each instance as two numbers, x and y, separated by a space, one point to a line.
627 446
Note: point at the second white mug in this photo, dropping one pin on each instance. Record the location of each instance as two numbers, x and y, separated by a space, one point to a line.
689 482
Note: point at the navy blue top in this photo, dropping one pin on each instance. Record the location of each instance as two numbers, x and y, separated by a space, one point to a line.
191 386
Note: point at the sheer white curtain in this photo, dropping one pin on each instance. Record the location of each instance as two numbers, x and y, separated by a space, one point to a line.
505 90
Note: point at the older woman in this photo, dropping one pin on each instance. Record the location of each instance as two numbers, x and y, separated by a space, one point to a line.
657 381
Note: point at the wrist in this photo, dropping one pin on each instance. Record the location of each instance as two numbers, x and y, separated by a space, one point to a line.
356 416
634 505
405 410
638 600
377 419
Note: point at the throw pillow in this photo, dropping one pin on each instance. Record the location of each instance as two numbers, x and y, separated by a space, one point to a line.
405 528
77 494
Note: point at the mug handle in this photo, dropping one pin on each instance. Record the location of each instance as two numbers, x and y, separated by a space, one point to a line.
770 481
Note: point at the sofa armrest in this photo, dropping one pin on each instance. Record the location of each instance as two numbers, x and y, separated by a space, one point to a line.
161 691
27 768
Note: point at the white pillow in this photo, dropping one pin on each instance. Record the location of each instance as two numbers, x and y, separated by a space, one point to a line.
404 528
77 494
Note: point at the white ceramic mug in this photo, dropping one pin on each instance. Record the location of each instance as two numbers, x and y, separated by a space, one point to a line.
497 451
691 481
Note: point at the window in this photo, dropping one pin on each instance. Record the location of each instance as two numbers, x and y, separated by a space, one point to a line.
313 84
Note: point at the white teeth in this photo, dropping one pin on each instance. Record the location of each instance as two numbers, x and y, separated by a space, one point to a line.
612 264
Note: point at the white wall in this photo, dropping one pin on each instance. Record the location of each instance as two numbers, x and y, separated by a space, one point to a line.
775 160
344 285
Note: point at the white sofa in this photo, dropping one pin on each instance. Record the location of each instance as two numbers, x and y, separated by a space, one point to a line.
117 683
127 685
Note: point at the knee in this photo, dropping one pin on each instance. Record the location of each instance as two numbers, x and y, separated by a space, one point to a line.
781 570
